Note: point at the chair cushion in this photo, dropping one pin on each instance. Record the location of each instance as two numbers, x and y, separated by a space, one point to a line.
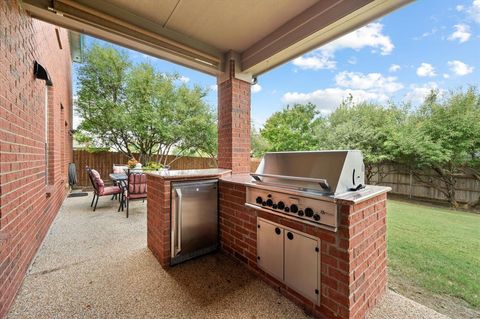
99 184
119 169
137 183
110 190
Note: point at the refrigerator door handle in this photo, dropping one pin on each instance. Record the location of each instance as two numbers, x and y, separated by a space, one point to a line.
179 221
176 237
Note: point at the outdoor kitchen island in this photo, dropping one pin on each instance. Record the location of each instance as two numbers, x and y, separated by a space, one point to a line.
331 272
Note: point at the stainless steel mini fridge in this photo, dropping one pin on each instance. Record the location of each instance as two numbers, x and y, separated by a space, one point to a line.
194 222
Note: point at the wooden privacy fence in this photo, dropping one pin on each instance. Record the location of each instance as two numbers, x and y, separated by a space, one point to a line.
395 176
103 163
403 182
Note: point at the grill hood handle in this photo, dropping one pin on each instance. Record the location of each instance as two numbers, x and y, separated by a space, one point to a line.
321 181
359 187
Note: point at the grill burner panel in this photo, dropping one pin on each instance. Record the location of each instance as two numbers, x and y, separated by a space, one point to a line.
311 210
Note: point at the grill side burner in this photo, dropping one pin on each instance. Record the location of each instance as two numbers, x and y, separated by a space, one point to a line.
304 185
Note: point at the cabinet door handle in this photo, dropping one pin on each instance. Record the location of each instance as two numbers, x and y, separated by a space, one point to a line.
290 235
278 231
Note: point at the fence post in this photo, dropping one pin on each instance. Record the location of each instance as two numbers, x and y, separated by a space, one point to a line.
411 182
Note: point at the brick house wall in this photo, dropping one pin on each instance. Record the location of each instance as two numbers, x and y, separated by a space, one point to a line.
29 201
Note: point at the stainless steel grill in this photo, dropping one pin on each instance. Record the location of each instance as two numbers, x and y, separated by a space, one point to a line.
305 185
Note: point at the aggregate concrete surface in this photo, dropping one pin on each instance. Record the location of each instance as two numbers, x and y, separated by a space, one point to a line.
97 265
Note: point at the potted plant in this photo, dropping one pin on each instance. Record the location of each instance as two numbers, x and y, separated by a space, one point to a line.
133 163
153 166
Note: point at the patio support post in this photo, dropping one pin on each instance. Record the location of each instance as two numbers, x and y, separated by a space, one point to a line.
234 116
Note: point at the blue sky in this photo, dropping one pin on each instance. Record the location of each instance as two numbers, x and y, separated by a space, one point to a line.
427 44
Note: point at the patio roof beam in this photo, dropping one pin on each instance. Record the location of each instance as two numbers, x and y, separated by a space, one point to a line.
142 35
321 23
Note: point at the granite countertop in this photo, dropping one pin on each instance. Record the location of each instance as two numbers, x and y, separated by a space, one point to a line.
361 195
243 179
190 173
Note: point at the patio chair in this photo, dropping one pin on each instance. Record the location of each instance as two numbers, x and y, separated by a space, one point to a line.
135 188
118 169
99 188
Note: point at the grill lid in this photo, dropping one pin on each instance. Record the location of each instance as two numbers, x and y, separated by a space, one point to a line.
327 172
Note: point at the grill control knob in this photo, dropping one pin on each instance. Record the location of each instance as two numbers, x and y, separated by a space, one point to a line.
269 195
259 200
316 217
269 202
294 208
308 212
281 205
300 213
287 209
264 203
274 206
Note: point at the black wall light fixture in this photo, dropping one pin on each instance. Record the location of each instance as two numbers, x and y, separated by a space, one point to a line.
41 73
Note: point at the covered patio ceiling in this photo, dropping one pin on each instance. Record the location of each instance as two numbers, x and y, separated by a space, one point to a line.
200 34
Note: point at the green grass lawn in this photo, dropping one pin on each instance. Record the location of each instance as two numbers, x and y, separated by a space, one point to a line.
436 249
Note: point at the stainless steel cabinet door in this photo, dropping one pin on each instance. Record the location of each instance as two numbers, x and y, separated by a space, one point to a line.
270 248
302 262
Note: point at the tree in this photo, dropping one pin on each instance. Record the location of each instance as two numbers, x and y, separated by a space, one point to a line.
366 127
292 129
443 136
258 144
134 108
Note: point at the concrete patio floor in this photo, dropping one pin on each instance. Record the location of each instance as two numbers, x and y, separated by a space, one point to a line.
97 265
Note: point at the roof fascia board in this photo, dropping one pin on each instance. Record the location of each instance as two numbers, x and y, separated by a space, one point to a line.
107 30
316 26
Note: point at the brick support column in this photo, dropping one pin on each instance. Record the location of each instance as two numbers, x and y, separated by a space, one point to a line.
233 123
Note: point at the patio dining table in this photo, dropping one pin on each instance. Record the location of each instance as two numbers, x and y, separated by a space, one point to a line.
118 177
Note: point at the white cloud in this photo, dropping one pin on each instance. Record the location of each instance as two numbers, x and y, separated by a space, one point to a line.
418 93
394 68
256 88
368 36
474 11
184 79
426 69
446 75
461 33
314 61
213 88
370 87
374 82
426 34
259 120
460 68
329 99
353 60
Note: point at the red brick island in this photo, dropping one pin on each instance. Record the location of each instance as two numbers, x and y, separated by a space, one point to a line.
353 261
